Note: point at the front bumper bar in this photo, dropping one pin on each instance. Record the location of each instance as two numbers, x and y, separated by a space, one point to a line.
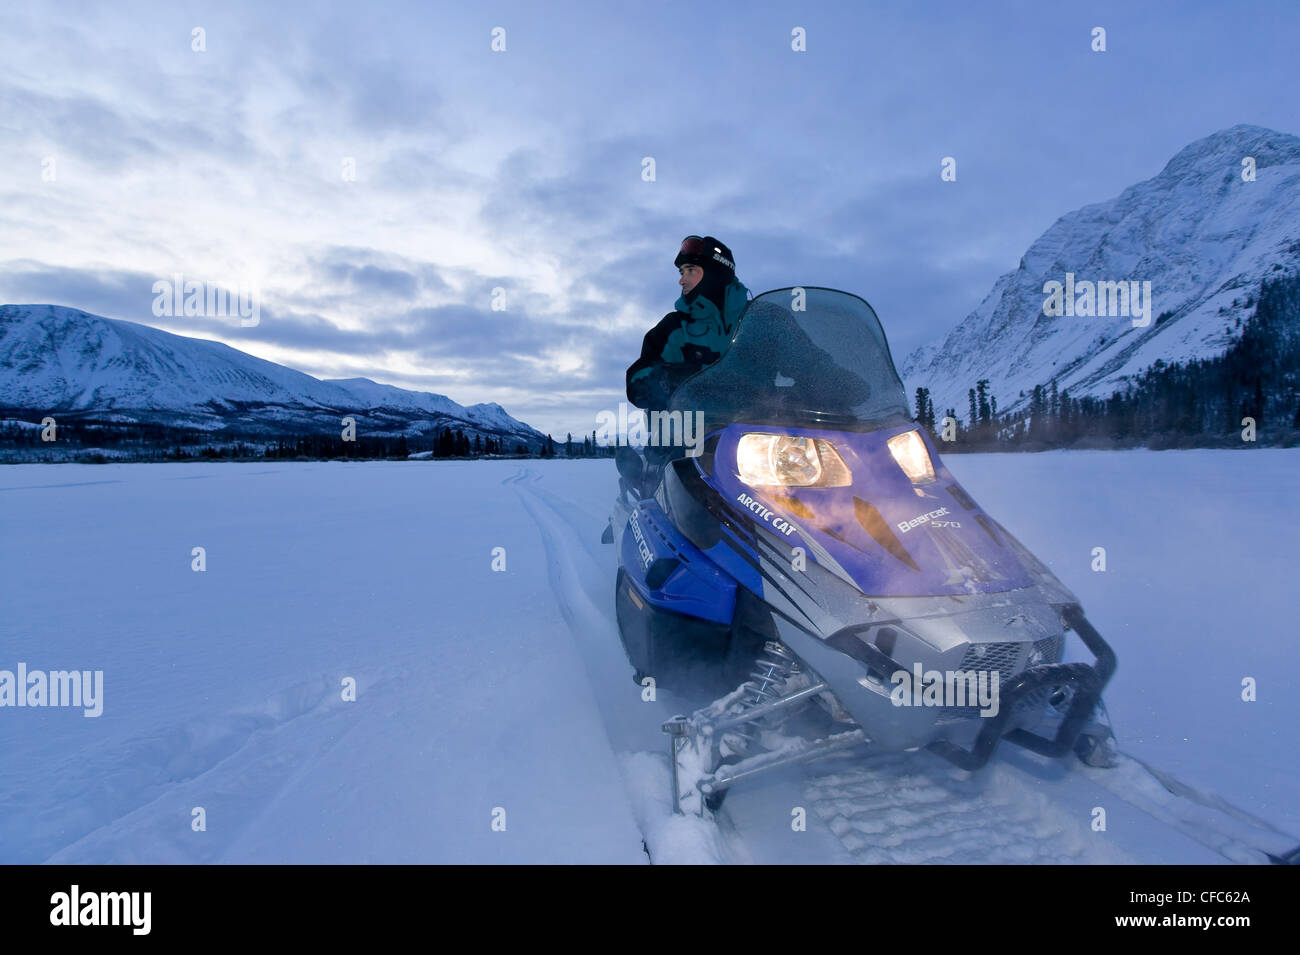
1086 680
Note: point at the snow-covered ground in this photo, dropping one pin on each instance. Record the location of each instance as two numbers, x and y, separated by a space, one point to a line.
487 696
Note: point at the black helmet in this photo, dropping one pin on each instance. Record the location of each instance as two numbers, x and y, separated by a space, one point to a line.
706 252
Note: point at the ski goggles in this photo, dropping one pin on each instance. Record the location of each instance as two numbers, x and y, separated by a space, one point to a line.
695 247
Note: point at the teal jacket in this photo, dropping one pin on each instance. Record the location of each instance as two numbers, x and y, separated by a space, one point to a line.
686 340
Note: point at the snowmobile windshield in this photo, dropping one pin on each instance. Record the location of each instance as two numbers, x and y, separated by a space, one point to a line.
800 356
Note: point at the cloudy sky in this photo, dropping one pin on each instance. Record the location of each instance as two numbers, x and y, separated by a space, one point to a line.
129 157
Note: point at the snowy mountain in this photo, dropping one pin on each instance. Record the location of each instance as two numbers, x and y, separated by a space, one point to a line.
61 359
1203 233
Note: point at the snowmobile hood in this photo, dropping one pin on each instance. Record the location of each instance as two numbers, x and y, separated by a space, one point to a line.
887 534
814 362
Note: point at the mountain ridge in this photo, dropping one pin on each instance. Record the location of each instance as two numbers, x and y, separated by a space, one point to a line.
1197 231
59 359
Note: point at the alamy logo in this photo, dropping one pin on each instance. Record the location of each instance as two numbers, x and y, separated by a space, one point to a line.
181 297
635 428
84 688
949 688
75 907
1098 299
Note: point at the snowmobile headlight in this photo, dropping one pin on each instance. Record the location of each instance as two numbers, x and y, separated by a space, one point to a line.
788 460
910 452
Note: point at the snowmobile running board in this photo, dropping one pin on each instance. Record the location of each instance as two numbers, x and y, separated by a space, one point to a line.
1087 682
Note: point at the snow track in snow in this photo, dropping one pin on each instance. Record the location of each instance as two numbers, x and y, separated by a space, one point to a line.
223 690
1232 832
127 786
581 576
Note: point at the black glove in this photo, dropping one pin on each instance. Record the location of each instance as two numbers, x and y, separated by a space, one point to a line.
655 389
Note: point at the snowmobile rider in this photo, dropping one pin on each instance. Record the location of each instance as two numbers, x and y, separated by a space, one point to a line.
693 336
698 331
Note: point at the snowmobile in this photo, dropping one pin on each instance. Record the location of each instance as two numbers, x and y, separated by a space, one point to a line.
812 567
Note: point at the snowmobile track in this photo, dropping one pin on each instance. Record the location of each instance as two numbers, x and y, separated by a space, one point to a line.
911 808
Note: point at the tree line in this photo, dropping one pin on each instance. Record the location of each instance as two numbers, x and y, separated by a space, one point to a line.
572 449
88 439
